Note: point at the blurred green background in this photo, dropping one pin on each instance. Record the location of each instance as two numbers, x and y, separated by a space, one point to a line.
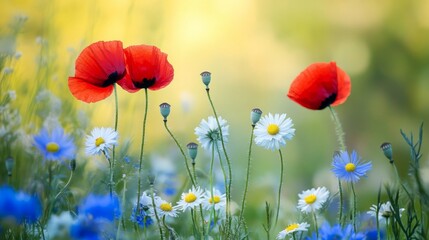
254 49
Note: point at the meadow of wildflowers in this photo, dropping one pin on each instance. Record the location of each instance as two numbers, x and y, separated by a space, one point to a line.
67 177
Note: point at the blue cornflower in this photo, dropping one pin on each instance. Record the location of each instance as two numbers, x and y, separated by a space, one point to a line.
98 206
349 168
141 217
86 228
328 232
55 145
18 207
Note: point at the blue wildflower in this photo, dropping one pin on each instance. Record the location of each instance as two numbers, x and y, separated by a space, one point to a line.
349 168
98 206
141 218
336 232
55 146
18 207
372 234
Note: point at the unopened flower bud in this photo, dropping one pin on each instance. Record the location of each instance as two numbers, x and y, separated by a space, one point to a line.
10 163
165 110
387 150
255 115
151 178
192 151
206 77
73 165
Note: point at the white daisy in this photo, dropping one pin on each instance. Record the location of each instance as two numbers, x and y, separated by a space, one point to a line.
218 200
164 208
208 133
313 199
272 131
100 141
58 226
191 199
294 227
384 212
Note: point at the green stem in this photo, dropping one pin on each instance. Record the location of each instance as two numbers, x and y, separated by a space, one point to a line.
229 183
142 150
340 138
247 178
65 186
112 166
152 195
280 187
194 173
212 212
202 221
183 153
123 207
354 206
315 224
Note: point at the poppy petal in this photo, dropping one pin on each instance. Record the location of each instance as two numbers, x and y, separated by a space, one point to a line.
147 67
344 87
316 87
100 61
88 92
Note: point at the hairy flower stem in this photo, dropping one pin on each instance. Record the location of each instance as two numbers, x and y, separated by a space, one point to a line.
65 186
141 150
152 196
315 225
354 206
280 188
340 137
243 202
212 212
112 166
123 207
228 186
183 153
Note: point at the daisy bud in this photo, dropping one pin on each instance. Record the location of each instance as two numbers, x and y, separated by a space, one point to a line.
192 150
73 165
255 115
151 178
165 110
387 150
206 77
10 163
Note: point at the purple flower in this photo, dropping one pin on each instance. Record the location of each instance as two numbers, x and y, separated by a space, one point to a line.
349 168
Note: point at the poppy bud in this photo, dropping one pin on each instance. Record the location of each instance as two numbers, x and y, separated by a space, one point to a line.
192 151
10 163
387 150
206 77
151 178
73 165
165 110
255 115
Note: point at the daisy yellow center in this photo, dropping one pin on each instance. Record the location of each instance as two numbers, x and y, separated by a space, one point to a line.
273 129
350 167
215 199
190 197
292 227
52 147
166 207
310 199
99 141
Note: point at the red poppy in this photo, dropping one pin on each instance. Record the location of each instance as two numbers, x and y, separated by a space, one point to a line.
147 67
320 85
98 67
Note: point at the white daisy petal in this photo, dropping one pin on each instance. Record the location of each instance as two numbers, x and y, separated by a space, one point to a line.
209 135
313 199
272 131
100 141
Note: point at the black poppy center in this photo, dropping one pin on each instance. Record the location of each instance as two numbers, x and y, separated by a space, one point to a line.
145 83
328 101
113 78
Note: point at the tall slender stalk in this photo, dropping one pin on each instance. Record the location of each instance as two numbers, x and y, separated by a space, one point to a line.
65 186
354 206
142 149
152 196
340 138
280 187
183 153
113 161
229 183
247 177
315 224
